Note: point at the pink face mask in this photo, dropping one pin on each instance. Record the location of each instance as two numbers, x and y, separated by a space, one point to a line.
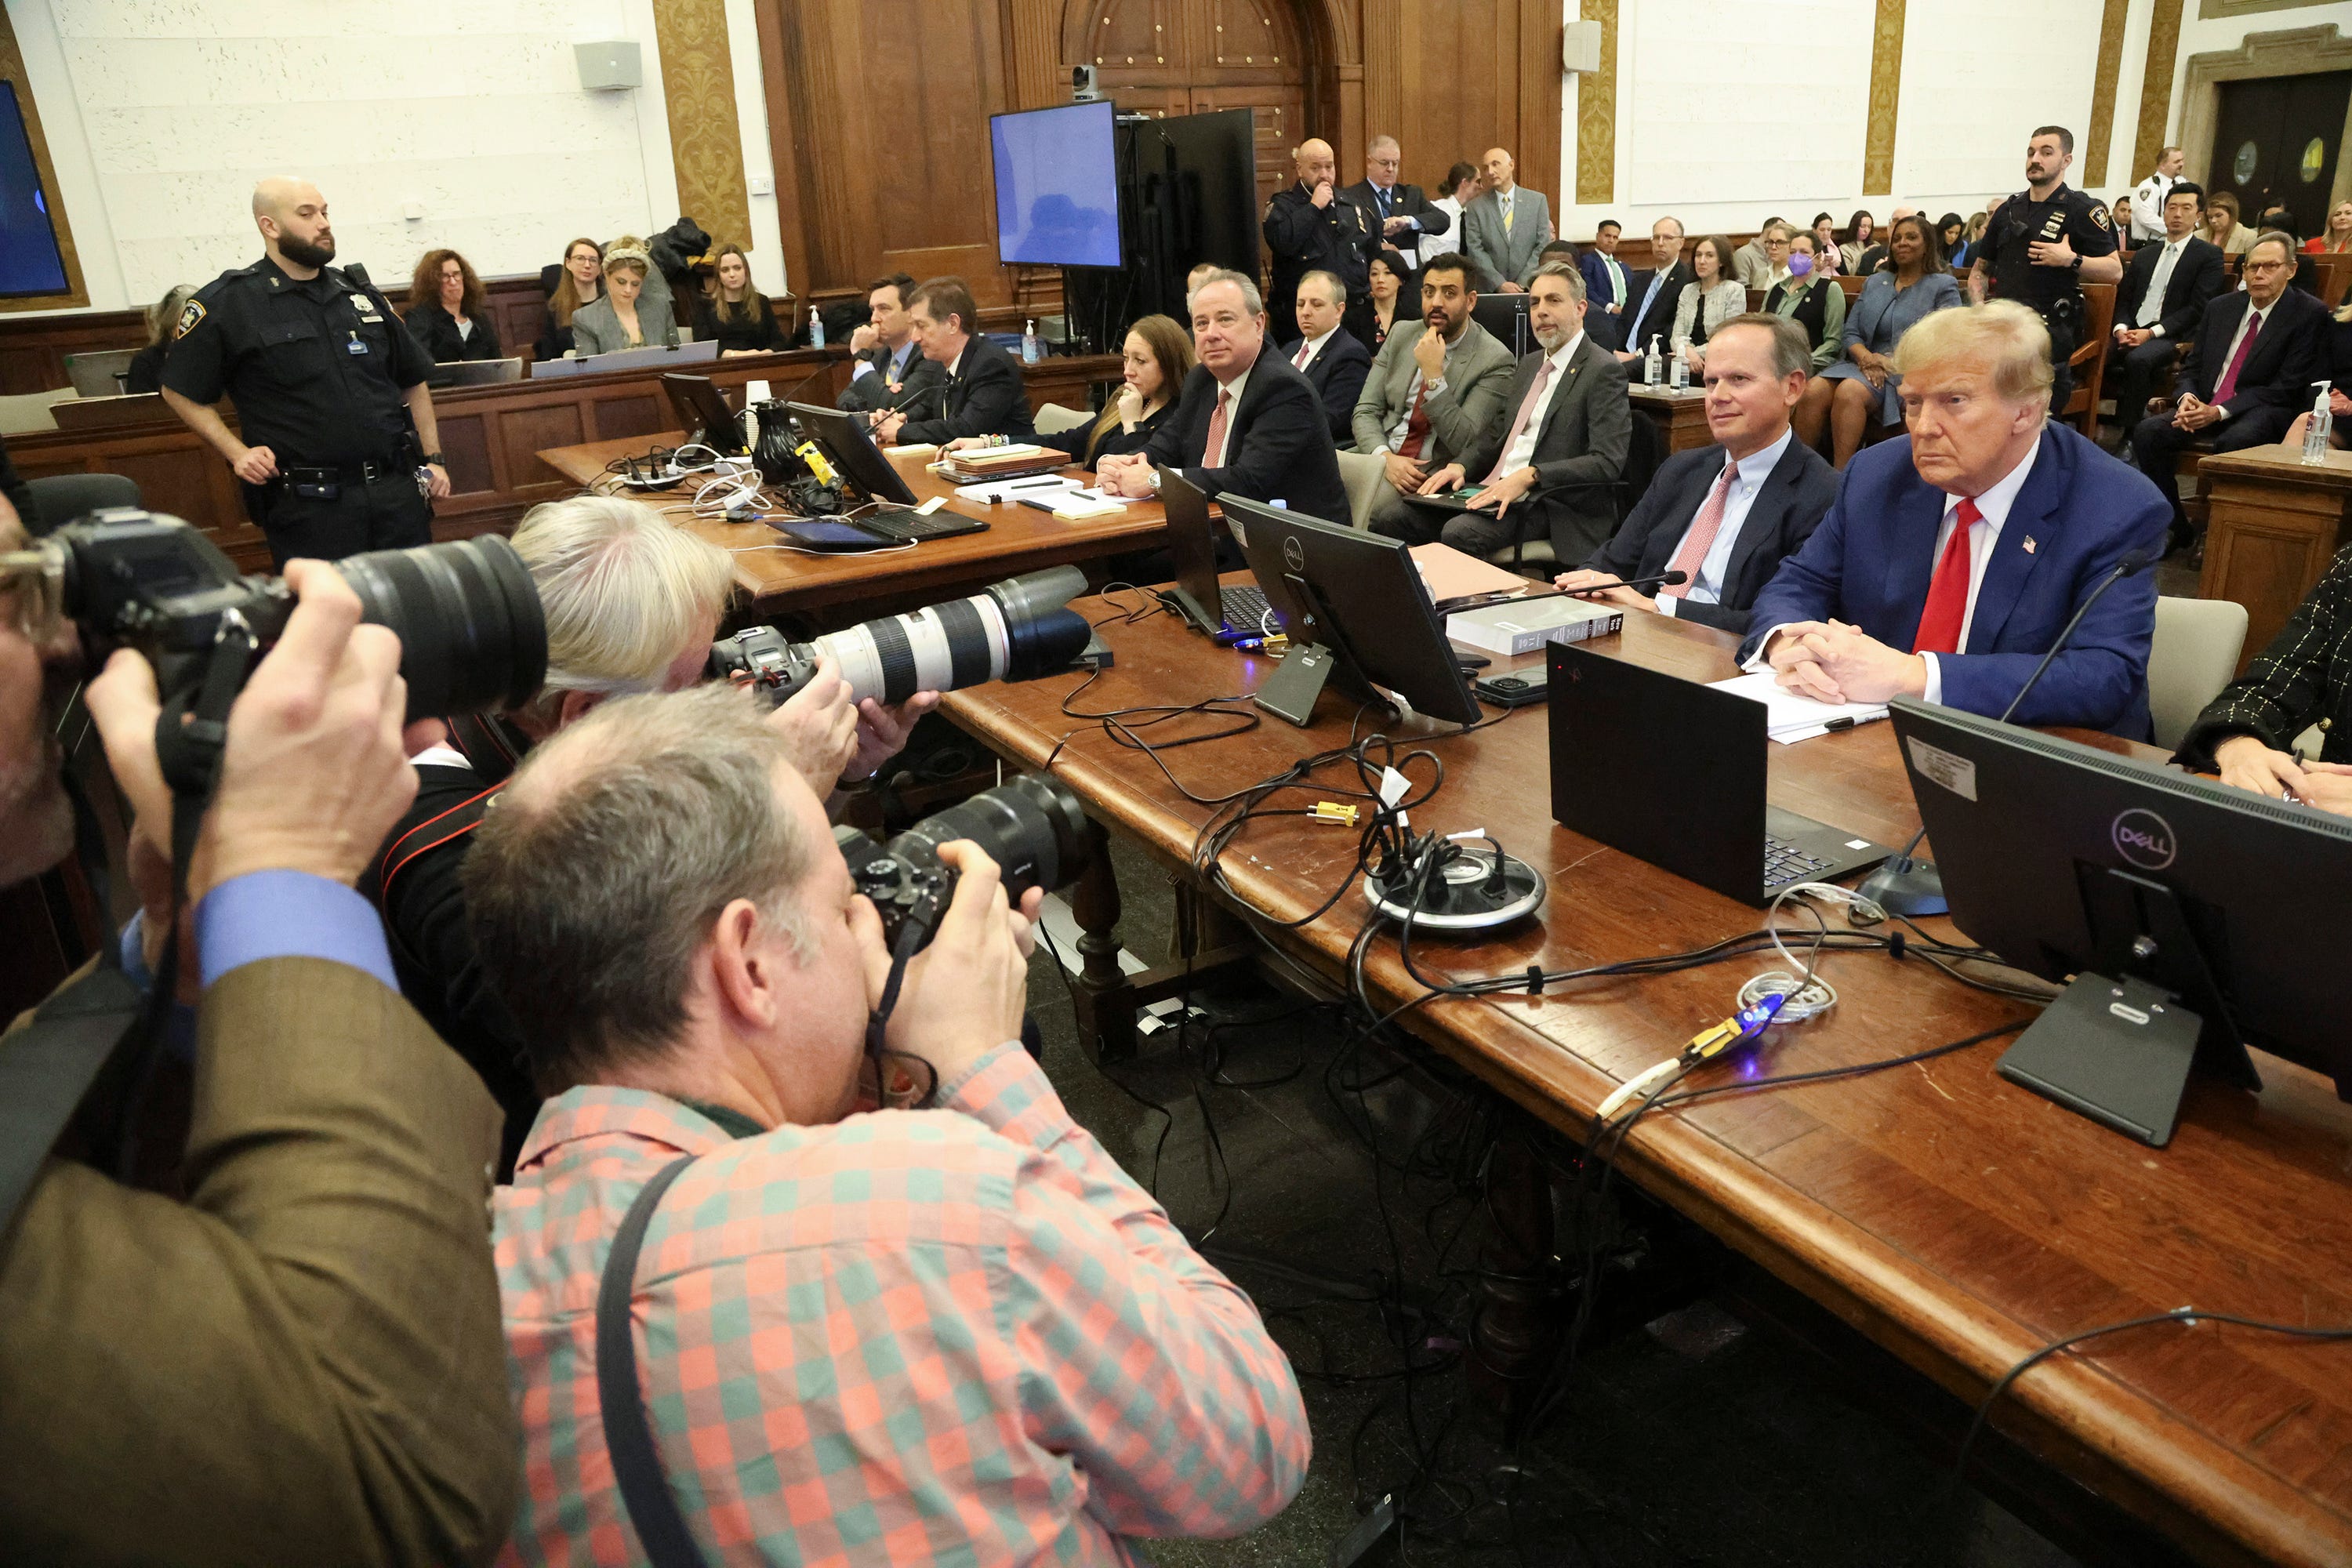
1799 264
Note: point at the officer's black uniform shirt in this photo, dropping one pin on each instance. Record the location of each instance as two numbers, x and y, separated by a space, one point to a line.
2079 218
317 369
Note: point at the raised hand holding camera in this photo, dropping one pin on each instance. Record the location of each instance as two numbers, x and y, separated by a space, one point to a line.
964 993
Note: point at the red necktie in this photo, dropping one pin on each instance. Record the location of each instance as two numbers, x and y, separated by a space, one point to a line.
1416 426
1947 592
1692 553
1304 348
2227 388
1212 454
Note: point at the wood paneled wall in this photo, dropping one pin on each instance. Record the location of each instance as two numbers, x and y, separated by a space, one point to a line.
877 109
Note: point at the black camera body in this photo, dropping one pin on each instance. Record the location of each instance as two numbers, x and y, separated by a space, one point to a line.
472 633
1031 826
764 660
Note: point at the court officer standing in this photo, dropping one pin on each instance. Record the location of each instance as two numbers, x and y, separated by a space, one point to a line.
2041 245
337 447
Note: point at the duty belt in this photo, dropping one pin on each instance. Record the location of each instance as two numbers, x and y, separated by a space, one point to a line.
369 472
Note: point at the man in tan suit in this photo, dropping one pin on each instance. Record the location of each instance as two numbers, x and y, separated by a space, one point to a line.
1436 385
301 1361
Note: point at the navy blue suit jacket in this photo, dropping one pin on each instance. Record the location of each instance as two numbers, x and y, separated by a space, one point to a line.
1869 562
1338 376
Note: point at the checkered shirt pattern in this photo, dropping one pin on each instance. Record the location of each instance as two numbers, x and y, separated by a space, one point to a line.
955 1336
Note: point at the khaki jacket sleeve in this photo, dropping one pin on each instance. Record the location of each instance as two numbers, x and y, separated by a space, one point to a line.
302 1362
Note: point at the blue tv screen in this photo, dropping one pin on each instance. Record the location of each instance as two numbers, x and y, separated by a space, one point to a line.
30 262
1056 186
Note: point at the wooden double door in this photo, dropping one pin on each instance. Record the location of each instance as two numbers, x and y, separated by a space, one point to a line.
1166 58
2276 141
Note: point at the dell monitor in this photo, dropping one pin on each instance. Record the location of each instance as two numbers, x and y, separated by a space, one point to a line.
1355 609
2190 919
844 436
1056 186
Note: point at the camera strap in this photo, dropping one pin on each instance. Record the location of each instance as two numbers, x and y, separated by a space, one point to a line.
645 1496
48 1067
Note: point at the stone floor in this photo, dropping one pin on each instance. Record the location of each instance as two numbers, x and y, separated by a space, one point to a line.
1693 1441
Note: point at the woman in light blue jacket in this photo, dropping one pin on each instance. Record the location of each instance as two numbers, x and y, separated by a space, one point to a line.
1860 388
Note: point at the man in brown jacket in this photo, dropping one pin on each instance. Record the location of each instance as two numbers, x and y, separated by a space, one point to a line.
301 1362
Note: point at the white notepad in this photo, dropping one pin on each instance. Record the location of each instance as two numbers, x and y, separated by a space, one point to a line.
1790 716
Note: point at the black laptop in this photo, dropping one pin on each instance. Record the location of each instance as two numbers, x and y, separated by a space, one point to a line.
1228 614
1674 772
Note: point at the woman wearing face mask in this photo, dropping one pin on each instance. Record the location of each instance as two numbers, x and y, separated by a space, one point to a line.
1812 300
1861 386
735 313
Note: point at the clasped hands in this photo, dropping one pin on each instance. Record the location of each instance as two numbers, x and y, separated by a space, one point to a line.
1831 661
1124 474
2195 413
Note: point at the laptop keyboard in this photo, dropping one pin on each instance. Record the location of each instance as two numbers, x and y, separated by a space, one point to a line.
1785 863
1247 611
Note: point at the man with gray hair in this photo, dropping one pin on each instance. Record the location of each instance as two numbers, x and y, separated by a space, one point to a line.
632 605
1247 422
1400 214
959 1334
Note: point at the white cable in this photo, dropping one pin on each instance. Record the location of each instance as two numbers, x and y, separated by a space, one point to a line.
1808 994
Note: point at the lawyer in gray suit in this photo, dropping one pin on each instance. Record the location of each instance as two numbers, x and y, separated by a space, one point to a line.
1550 467
1435 389
1505 228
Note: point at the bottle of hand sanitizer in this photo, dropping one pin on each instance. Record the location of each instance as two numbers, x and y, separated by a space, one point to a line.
1682 364
1653 365
816 328
1033 348
2322 422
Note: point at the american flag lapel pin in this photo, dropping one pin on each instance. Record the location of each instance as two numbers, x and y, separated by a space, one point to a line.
2029 544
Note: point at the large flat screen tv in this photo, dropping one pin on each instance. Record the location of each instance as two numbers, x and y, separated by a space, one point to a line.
30 262
1056 186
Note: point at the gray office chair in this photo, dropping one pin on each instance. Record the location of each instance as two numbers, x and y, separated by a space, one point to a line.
1054 418
61 498
2195 654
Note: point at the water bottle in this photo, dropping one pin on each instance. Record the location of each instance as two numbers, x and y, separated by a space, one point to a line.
1682 367
816 328
2322 423
1653 367
1033 347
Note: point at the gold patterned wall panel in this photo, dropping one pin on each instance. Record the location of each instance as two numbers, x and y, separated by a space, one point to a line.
11 71
2155 88
1885 96
2104 85
705 139
1596 112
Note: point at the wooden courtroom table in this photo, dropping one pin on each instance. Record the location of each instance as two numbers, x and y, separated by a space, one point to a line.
1680 417
1958 1221
832 591
2272 525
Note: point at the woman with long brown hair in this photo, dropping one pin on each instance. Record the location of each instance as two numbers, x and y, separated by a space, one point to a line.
1159 356
733 312
446 309
581 282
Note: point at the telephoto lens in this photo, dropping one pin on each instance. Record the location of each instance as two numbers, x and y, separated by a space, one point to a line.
472 633
1016 630
1033 827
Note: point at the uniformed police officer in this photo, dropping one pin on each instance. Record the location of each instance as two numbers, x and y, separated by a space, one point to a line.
2041 245
340 451
1310 228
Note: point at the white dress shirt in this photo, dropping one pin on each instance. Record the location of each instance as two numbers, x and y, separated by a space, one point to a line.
2152 307
1747 483
1524 448
2246 324
1313 346
1992 511
1215 458
1439 244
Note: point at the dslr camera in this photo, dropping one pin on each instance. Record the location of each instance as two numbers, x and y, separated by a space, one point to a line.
472 634
1016 630
1033 827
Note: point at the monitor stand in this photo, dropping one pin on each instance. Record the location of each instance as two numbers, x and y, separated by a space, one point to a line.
2118 1045
1290 692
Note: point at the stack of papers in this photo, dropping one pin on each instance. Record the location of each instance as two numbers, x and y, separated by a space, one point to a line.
1791 716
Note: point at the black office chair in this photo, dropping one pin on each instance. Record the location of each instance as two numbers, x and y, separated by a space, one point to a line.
1645 453
60 497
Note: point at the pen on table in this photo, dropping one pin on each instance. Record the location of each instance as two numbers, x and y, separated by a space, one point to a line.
1842 722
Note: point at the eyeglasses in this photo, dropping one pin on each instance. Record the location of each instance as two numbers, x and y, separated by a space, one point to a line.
32 593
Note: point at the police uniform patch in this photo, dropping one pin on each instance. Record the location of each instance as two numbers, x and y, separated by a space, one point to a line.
2099 215
190 314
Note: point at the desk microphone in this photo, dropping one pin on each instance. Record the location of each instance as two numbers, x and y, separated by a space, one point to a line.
1481 601
1904 886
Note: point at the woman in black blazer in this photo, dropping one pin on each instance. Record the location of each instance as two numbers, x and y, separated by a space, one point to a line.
1159 355
580 282
1390 278
734 313
447 311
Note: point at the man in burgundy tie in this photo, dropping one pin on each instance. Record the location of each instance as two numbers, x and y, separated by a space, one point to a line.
1724 515
1955 557
2245 376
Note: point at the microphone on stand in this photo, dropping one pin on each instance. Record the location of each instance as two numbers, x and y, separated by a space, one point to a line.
1903 886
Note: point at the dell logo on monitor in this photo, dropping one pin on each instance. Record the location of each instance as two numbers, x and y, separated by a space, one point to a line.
2145 839
1293 555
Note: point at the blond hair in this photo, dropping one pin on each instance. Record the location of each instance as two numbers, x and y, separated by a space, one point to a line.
2011 336
622 591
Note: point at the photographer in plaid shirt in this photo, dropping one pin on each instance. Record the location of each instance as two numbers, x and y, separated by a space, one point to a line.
955 1335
